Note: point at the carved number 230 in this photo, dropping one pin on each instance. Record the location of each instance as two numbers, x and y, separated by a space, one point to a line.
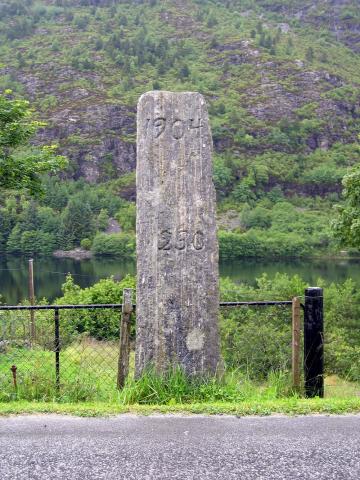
181 240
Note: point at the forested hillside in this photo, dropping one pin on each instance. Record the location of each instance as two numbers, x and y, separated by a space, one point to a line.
282 82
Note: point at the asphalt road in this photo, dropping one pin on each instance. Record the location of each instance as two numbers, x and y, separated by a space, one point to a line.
179 447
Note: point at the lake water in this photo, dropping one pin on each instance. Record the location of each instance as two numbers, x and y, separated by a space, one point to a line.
49 273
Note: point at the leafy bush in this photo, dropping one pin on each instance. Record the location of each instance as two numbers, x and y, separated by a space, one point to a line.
258 243
126 216
257 340
85 244
222 176
259 217
114 244
101 324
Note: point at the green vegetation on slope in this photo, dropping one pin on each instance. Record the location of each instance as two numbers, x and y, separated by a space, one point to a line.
283 90
75 213
69 214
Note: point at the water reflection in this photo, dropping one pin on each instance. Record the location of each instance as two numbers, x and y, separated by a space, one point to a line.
337 270
49 273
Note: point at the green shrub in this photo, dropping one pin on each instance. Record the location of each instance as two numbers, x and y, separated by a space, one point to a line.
126 216
256 341
103 324
114 244
259 243
259 217
222 176
86 244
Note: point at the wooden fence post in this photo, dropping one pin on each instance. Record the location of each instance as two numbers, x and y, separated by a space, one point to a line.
295 360
32 302
124 352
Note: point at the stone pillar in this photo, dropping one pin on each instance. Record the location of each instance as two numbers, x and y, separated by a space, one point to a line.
177 249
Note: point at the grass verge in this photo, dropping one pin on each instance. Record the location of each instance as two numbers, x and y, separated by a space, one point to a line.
287 406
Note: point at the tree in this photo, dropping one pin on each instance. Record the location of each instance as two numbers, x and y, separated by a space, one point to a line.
346 226
259 27
14 241
184 72
222 177
212 21
77 223
21 165
309 55
102 220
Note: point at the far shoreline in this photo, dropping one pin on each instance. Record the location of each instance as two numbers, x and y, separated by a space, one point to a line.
82 254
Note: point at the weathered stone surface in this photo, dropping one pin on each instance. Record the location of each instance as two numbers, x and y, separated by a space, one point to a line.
177 250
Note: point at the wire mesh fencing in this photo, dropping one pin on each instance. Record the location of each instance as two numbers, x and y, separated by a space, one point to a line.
71 352
256 337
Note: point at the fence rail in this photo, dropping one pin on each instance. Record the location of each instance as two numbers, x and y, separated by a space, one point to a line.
57 342
265 303
61 307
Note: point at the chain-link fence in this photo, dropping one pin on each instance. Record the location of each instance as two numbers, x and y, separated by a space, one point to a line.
72 355
71 352
256 337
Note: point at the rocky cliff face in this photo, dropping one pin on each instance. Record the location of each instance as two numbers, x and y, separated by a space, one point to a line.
72 65
92 136
281 88
95 134
340 17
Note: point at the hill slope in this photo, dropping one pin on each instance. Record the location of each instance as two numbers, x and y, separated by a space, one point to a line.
282 79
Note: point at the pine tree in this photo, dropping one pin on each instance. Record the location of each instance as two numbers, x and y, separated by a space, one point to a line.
309 55
102 220
184 72
76 223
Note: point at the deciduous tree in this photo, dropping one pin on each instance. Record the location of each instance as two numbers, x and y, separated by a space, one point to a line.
346 225
21 164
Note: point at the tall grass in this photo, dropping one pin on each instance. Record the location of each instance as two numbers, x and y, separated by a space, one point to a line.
176 387
88 370
88 374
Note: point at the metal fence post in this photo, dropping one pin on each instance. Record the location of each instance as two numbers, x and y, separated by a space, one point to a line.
57 349
124 352
314 342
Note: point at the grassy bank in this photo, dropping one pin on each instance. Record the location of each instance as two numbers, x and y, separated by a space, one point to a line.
175 394
287 406
255 344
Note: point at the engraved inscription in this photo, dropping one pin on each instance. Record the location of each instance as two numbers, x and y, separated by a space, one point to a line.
159 126
198 240
177 127
181 240
195 123
164 240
